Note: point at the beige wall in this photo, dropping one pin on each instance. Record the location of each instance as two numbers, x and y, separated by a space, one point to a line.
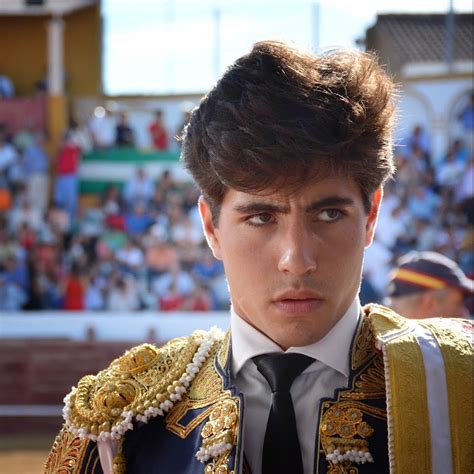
24 56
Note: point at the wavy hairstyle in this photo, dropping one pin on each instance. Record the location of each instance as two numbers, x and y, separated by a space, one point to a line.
282 117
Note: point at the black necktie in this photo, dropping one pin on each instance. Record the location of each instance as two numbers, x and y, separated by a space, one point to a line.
281 448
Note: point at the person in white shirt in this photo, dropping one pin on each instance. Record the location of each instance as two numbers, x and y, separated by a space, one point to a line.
102 128
290 152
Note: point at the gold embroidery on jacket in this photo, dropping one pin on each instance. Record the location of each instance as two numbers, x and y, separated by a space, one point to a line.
362 348
221 429
343 428
223 353
206 389
143 377
67 454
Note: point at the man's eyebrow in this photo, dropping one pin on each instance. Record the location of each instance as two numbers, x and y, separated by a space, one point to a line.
259 207
263 207
331 201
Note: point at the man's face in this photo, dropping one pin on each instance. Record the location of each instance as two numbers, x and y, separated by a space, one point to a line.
293 261
450 304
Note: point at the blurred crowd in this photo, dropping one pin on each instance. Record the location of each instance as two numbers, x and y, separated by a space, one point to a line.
141 247
428 206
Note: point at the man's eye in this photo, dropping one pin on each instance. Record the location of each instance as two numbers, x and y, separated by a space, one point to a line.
330 215
260 219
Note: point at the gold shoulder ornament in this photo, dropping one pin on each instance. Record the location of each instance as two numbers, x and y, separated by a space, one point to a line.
142 384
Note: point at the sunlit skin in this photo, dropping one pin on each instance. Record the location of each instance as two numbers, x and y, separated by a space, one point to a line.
293 261
447 303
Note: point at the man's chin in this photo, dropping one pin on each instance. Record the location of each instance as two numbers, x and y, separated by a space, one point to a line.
288 339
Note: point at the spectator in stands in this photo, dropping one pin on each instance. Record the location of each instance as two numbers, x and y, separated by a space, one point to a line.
182 231
67 180
464 193
17 176
6 197
138 220
377 261
12 296
428 284
123 295
8 153
53 296
25 213
466 115
419 138
112 240
15 270
102 128
461 152
158 132
130 257
199 300
7 90
427 234
58 220
138 189
74 289
80 135
160 256
449 172
124 136
171 299
36 164
94 294
27 236
423 203
24 137
111 201
165 191
183 281
207 268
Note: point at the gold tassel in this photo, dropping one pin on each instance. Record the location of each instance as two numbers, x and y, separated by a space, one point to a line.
119 463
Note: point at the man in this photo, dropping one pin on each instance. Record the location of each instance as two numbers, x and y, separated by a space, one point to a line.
290 152
158 132
427 285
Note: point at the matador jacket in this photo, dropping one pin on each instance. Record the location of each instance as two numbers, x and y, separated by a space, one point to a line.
407 407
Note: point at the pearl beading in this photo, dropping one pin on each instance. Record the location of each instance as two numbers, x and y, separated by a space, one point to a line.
359 457
205 341
204 454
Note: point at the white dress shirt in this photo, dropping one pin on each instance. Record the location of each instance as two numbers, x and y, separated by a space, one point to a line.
329 371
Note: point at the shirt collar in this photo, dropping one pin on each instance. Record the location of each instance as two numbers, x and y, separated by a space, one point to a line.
332 350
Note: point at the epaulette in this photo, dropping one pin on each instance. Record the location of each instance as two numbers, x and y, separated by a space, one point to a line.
143 383
429 390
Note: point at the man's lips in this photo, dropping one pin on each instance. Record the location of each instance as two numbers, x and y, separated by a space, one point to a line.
298 302
297 295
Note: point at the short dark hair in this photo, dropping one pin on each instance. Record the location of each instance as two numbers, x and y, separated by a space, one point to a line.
281 117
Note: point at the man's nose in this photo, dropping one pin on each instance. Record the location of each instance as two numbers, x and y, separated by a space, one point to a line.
298 251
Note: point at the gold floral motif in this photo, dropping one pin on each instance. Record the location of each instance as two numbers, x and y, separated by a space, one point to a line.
67 454
205 391
223 352
362 349
343 468
221 429
141 378
372 381
343 429
208 384
344 420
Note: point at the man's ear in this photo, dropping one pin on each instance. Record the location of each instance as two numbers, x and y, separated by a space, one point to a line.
211 232
372 217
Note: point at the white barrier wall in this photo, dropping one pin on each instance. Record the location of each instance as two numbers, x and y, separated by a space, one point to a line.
106 326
